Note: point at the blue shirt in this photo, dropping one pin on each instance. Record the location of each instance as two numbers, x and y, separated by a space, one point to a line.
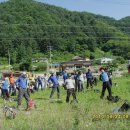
5 85
104 77
65 76
54 80
22 82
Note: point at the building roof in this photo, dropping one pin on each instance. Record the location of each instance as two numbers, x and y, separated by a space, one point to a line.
56 64
72 63
77 58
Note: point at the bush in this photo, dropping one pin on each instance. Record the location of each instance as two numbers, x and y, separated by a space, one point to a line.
25 66
41 67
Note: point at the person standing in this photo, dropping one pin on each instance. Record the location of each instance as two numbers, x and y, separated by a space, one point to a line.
65 76
80 79
109 73
12 85
70 86
54 80
89 78
39 82
106 84
22 84
45 80
5 87
76 81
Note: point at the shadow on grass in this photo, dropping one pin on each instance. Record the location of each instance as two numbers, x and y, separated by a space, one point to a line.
41 98
56 101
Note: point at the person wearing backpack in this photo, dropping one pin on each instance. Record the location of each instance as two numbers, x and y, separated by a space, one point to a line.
106 84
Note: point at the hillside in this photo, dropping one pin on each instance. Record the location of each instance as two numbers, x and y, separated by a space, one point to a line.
28 27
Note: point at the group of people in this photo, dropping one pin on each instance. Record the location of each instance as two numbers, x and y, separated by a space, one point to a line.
72 83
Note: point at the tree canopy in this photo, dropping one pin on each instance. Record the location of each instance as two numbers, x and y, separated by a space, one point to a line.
28 27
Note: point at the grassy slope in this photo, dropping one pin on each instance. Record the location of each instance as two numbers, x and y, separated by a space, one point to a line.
61 116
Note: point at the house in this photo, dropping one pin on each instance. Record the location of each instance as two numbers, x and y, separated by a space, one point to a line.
35 60
55 67
76 63
105 60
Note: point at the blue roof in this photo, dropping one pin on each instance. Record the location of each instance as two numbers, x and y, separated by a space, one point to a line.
55 64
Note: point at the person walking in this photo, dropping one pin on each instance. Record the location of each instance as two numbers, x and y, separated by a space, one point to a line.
106 84
22 84
54 80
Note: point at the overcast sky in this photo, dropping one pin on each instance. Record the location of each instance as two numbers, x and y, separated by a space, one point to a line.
112 8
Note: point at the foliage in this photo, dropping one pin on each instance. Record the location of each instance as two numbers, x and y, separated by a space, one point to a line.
29 27
41 67
26 66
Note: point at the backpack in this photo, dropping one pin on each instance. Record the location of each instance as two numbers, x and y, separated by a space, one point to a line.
124 107
31 104
113 98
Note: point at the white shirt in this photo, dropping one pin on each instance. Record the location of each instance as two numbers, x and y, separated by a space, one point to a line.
69 83
81 77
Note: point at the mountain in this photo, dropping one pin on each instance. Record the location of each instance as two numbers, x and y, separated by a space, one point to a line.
28 27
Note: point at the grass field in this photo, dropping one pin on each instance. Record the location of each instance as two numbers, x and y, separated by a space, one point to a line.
58 115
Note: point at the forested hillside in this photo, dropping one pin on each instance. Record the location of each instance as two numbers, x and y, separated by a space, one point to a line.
28 27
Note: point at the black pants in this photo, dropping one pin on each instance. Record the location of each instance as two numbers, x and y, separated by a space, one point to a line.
12 89
53 90
110 80
89 82
69 92
106 85
76 85
5 94
23 92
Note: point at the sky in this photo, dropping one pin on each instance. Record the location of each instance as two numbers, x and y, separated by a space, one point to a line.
112 8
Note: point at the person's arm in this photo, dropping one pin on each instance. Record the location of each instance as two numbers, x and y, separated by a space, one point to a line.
17 81
49 79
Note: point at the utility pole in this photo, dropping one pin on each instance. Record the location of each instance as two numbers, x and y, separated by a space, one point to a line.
50 53
9 59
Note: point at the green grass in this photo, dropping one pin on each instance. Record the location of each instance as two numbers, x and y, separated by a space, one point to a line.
58 115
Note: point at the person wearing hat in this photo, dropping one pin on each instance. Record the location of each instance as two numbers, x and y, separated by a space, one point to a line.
70 86
54 80
21 82
106 84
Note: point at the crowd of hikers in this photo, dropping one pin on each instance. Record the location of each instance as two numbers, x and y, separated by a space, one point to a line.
72 83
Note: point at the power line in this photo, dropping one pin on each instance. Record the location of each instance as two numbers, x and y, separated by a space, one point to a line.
81 26
125 38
